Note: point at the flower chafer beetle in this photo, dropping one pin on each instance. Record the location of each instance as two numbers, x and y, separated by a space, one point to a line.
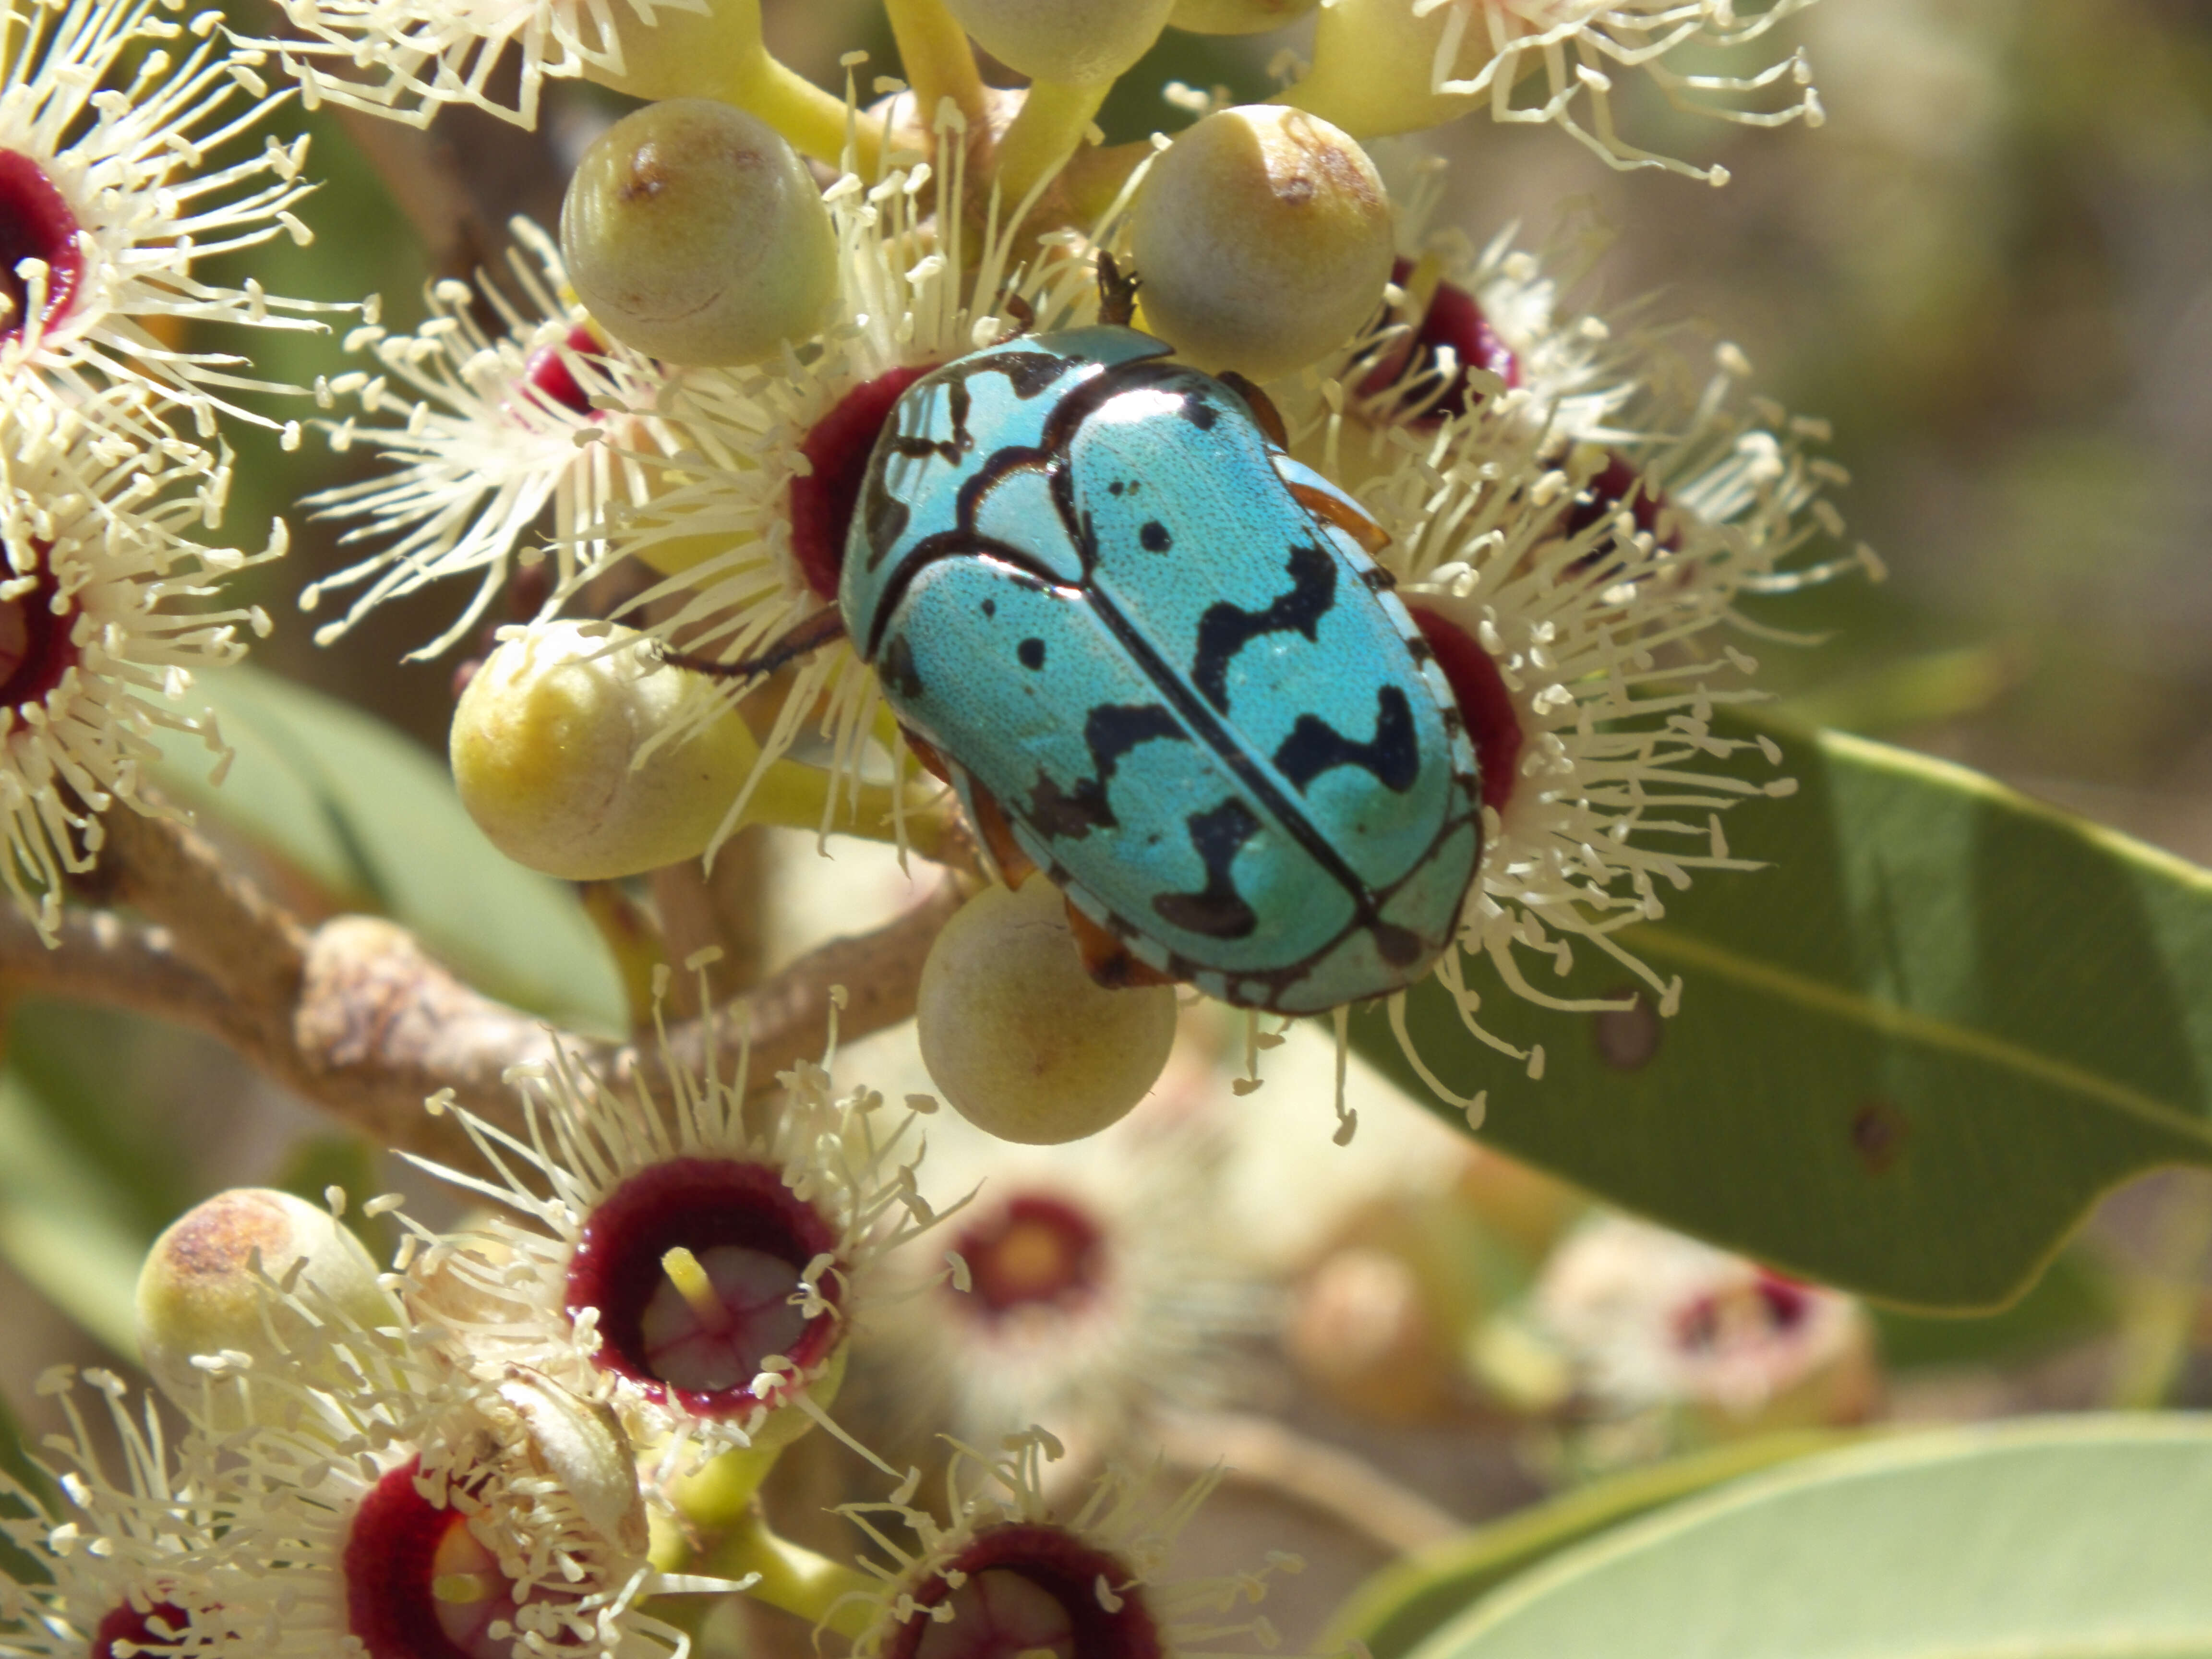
1150 652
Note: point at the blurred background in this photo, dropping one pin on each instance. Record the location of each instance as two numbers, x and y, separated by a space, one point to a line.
1992 269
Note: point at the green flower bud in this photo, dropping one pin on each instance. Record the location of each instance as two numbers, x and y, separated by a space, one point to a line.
1236 16
1262 238
694 233
1080 42
546 746
1016 1035
199 1291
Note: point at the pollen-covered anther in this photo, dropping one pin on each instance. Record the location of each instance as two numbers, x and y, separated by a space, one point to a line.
1026 1588
1262 240
698 1269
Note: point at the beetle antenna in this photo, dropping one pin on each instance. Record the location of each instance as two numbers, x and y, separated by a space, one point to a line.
1117 292
824 627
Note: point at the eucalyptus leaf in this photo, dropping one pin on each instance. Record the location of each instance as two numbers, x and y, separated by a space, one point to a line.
1909 1056
2075 1299
17 1564
1398 1608
2041 1539
373 820
63 1226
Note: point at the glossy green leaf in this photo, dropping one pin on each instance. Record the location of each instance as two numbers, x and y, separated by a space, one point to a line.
373 820
1398 1608
63 1225
1910 1056
2046 1539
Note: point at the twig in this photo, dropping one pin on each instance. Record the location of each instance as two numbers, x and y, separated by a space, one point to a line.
1340 1483
358 1018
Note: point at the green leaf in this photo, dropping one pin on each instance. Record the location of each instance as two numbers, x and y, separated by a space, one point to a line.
2073 1301
1910 1056
1398 1608
2047 1539
373 820
100 1076
17 1564
63 1225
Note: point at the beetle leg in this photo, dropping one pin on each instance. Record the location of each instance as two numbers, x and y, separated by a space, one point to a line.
925 752
803 639
1106 959
1014 865
1023 313
1325 506
1263 409
1117 292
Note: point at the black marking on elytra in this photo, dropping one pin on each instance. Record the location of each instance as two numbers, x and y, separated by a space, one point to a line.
990 607
1154 537
1227 628
1116 487
1392 756
1031 652
1218 910
1399 946
1112 731
1190 715
897 668
1378 580
1200 413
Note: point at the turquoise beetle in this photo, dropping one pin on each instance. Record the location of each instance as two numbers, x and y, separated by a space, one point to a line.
1152 655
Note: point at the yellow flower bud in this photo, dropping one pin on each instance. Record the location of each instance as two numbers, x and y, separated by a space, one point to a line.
1019 1038
1262 238
546 746
694 233
1081 42
199 1291
1236 16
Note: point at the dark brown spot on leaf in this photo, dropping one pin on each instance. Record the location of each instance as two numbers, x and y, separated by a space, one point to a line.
1628 1038
1878 1135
